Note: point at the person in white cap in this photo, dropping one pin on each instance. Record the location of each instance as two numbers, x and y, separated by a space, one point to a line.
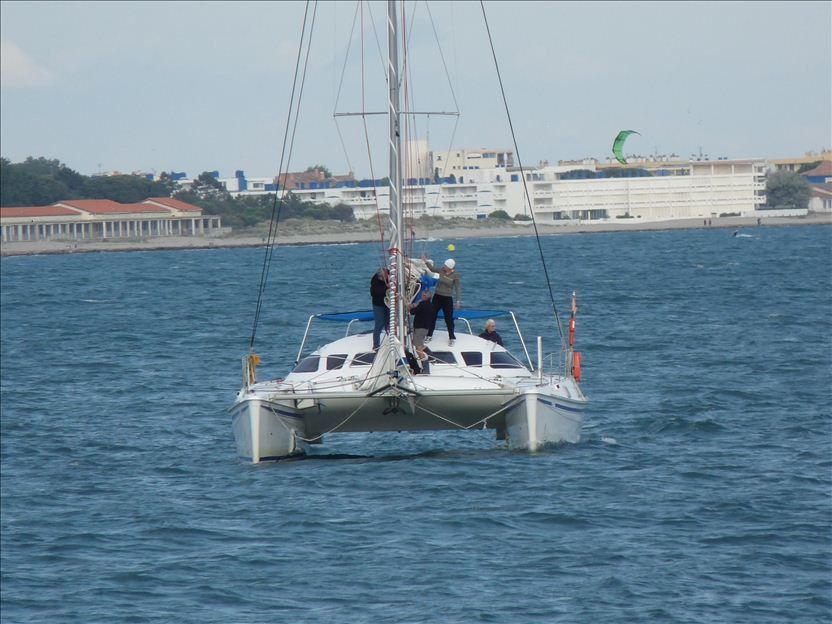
448 285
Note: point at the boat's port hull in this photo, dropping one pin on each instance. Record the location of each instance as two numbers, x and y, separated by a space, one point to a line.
266 432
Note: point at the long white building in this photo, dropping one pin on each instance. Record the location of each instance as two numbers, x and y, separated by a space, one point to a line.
697 189
84 219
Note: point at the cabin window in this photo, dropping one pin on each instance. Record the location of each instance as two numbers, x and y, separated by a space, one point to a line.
472 358
335 361
504 359
442 357
364 359
307 365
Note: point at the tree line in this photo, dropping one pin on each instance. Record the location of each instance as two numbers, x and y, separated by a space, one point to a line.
42 181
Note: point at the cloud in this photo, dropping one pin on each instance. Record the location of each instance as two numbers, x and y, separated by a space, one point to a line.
18 70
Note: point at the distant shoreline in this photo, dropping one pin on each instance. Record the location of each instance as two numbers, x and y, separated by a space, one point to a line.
26 248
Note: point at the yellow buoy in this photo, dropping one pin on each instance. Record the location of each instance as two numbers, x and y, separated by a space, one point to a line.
451 247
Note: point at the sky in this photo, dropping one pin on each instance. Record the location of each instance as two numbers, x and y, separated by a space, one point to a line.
203 86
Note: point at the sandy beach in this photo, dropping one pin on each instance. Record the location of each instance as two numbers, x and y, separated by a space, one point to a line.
332 234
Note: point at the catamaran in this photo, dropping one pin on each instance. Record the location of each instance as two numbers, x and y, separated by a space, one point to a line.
465 384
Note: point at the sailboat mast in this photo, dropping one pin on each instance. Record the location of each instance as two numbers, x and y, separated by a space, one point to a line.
397 273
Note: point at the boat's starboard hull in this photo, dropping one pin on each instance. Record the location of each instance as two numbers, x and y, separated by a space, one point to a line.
542 419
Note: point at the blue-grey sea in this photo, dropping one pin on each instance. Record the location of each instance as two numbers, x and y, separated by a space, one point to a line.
700 492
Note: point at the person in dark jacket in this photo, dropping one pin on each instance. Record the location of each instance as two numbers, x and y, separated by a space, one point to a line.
490 332
381 313
422 319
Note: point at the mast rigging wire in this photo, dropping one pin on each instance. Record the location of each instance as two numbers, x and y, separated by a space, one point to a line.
378 41
383 251
523 177
277 206
340 86
409 132
359 10
442 56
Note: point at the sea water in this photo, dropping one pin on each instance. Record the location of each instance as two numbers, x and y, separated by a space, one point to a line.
701 490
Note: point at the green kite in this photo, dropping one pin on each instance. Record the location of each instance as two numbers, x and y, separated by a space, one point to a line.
618 145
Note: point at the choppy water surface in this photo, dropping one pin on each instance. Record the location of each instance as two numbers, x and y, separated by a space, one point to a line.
700 492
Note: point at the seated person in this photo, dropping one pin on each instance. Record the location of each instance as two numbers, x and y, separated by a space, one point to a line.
490 332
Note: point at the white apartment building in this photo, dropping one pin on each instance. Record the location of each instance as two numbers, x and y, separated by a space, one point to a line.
699 189
458 162
424 164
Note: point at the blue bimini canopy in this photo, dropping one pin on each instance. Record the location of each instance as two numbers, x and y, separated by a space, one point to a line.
472 315
367 315
346 317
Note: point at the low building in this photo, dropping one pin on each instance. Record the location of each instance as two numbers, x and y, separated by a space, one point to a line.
821 199
80 219
241 185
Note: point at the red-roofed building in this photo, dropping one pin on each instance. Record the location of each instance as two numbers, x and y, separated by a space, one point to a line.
76 219
109 207
174 204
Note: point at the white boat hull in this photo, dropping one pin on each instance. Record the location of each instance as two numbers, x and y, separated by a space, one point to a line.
273 425
264 431
541 419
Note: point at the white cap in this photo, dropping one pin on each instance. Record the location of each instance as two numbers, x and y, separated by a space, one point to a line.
450 263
